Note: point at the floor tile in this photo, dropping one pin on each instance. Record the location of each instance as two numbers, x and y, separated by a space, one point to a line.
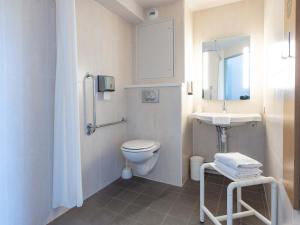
144 202
194 191
174 189
214 178
140 180
121 220
213 188
169 196
116 205
123 183
255 200
181 211
127 195
150 217
98 200
161 206
191 183
169 220
187 200
101 217
83 213
195 220
212 206
252 196
251 220
153 190
132 210
68 219
112 190
214 196
257 188
136 187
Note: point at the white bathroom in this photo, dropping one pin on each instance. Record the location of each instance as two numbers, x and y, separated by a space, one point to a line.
117 112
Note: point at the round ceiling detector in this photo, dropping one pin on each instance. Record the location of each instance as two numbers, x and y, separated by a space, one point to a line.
152 13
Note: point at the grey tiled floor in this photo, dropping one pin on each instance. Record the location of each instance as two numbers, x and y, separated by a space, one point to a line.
143 202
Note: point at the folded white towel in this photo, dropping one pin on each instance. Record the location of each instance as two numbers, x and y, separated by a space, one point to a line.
240 170
237 160
238 173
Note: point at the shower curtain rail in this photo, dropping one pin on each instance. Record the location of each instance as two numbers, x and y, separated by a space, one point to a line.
91 127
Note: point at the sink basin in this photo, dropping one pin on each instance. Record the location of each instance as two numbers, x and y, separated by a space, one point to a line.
227 119
224 121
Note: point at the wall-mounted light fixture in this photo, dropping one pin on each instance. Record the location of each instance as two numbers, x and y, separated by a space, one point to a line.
205 71
246 68
289 30
287 51
189 85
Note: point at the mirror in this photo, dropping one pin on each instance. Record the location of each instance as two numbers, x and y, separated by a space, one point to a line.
226 69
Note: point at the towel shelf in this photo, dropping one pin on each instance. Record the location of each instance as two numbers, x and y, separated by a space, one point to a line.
237 184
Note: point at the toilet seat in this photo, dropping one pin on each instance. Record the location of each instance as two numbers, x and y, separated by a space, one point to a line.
136 146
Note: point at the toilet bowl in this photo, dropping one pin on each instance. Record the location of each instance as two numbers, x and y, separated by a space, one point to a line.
142 154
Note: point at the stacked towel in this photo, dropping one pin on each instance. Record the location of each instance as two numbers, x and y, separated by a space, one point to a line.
238 165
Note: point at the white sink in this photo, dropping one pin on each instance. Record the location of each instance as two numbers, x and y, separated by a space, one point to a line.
227 119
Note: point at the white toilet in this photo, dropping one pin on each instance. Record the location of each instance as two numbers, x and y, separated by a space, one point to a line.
142 154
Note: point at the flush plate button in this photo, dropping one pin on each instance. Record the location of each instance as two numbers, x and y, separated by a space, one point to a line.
150 95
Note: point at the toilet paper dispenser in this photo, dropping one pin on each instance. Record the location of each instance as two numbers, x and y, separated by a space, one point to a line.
102 84
105 83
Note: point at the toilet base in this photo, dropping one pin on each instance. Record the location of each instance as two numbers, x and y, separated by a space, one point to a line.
145 168
126 173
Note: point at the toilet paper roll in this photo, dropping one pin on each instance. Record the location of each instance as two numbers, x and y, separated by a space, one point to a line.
106 96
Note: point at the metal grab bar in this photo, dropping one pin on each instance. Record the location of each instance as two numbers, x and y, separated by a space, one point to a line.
123 120
91 127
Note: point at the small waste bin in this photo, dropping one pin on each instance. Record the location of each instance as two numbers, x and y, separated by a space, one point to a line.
196 162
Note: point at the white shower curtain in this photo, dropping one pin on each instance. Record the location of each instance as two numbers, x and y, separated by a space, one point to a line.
67 183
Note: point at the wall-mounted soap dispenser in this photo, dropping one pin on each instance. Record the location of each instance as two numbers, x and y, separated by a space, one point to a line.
105 83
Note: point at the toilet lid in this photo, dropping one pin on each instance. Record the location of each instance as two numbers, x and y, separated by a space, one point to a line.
138 144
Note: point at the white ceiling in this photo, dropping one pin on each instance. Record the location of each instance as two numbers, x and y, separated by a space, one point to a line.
204 4
193 4
153 3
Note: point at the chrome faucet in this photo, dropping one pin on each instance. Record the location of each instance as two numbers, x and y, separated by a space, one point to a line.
224 106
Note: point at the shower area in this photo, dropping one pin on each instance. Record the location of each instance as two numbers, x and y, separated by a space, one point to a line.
89 117
44 98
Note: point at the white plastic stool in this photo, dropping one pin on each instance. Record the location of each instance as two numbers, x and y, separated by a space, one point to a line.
238 184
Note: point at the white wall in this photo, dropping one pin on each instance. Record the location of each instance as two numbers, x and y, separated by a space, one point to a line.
241 18
104 47
186 131
27 77
160 122
188 43
187 101
279 73
171 11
